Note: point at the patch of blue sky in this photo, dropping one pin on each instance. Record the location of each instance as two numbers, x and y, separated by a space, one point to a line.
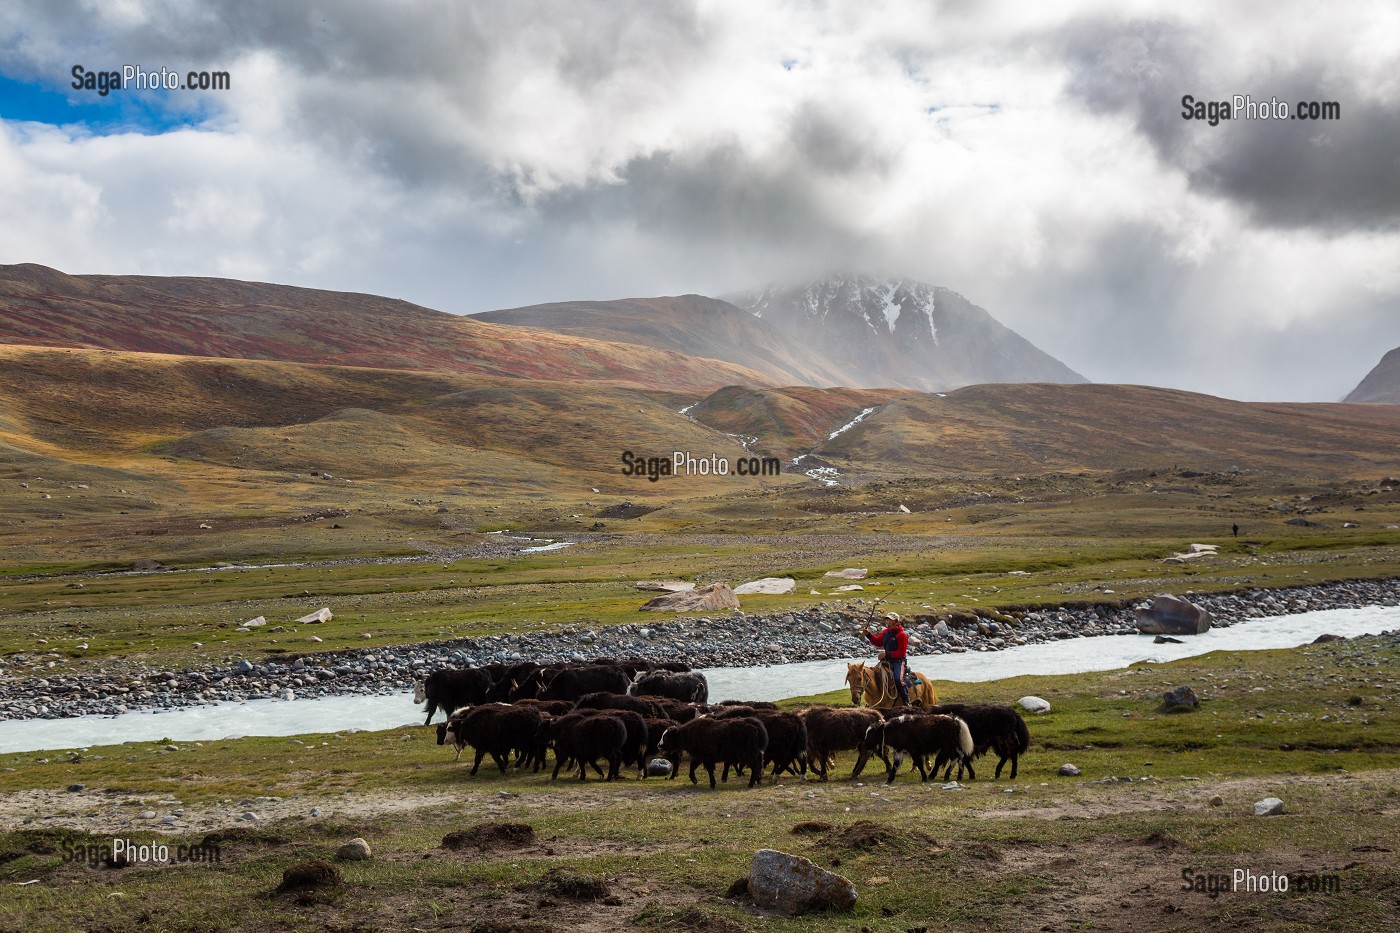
149 112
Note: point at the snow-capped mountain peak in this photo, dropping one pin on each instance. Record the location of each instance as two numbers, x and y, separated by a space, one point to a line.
902 332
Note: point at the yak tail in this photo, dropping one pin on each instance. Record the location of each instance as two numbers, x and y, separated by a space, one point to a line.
965 738
1023 736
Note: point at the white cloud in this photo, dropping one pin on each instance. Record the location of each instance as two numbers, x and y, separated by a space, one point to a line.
1031 157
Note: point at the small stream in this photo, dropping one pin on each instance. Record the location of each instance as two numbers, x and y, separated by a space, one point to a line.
390 710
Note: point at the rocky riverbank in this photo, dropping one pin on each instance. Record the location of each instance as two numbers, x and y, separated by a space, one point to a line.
736 639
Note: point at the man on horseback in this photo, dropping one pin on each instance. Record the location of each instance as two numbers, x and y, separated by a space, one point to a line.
895 644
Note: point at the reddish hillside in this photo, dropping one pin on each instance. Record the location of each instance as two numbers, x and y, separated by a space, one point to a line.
250 320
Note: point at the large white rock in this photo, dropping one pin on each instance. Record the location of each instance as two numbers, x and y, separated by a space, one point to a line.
794 885
849 588
256 623
1269 806
850 573
768 586
1034 704
314 618
356 850
1172 615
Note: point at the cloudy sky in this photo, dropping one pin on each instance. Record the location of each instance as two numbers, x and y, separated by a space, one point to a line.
475 156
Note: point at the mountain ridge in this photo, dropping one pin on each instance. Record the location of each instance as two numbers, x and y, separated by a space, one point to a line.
901 332
234 319
1381 384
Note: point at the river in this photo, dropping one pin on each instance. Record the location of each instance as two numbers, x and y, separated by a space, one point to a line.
387 711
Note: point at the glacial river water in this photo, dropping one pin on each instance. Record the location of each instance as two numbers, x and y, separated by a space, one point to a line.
296 717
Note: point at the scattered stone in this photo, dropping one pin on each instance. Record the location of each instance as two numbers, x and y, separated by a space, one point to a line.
1180 698
850 573
904 508
1269 806
1328 637
1034 704
1167 640
849 588
1172 615
256 623
793 885
1068 770
658 767
356 850
768 586
316 618
74 788
1217 801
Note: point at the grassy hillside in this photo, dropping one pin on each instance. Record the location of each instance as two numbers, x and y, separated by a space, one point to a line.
251 320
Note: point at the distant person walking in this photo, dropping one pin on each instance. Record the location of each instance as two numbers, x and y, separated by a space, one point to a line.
1235 530
895 644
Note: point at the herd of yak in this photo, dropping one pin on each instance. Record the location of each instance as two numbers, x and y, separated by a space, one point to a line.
652 716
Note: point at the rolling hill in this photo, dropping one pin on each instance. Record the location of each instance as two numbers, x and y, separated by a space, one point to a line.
1042 428
1381 384
250 320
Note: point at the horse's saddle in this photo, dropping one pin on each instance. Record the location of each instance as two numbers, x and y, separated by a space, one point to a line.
886 677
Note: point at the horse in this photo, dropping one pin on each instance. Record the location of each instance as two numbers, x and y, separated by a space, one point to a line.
877 689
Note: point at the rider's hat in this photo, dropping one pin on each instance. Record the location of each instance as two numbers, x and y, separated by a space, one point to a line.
892 616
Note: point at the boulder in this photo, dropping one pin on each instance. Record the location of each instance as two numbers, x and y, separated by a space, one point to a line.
904 508
1180 698
768 586
658 767
665 586
1172 615
1269 806
1068 770
1034 704
315 618
1166 640
356 850
1327 637
257 622
850 588
850 573
793 885
713 596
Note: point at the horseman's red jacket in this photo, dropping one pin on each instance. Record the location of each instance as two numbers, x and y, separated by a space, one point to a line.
894 641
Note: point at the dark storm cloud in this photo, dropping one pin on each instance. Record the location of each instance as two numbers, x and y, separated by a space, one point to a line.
1332 175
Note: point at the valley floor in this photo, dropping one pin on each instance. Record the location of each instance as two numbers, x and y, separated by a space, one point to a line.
1317 727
